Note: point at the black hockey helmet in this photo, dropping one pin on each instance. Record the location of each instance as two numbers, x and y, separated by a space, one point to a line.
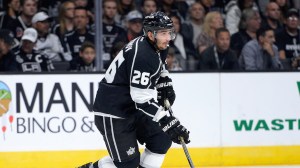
157 21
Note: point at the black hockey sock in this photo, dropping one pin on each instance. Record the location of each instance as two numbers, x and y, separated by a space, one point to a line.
141 166
87 165
95 164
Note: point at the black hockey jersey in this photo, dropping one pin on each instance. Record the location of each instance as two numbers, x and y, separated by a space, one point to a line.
8 62
130 80
74 41
81 66
110 33
34 62
18 27
5 20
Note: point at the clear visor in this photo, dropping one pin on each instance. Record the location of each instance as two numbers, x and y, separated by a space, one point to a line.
165 33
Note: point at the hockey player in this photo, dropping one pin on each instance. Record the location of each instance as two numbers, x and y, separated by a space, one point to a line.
126 110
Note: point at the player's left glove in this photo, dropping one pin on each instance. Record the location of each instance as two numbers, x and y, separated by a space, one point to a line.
174 129
165 90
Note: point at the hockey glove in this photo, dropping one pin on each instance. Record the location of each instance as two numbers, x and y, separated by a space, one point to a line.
165 90
174 129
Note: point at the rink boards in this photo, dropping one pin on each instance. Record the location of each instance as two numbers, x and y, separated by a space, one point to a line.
234 119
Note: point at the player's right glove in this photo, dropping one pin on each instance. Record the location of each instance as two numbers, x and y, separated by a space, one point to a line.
174 129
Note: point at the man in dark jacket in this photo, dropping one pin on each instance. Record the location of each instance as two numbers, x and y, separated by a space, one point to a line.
7 58
219 56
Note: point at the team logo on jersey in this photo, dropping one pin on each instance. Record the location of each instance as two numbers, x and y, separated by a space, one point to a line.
31 67
82 38
129 46
19 59
131 151
109 28
19 32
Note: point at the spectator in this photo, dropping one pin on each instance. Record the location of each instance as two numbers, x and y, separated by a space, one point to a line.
212 21
86 59
134 27
219 5
288 41
81 34
7 58
249 24
65 22
295 4
10 14
148 6
48 43
207 4
50 7
28 9
28 59
172 7
123 8
88 4
261 6
111 30
183 47
234 12
182 7
283 7
219 56
194 24
81 3
85 4
116 48
272 17
261 53
172 62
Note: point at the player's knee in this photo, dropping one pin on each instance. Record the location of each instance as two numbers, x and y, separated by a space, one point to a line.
131 163
165 146
161 144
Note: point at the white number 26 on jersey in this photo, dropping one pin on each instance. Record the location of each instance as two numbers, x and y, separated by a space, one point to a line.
140 77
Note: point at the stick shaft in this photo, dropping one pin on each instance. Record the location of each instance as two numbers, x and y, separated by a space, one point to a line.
186 152
185 149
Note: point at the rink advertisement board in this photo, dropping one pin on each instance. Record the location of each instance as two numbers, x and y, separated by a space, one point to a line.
260 109
228 114
238 109
49 112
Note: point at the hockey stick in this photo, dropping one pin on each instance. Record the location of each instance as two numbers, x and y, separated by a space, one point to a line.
185 149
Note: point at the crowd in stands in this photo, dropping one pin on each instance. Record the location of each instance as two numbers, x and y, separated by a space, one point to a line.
211 35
